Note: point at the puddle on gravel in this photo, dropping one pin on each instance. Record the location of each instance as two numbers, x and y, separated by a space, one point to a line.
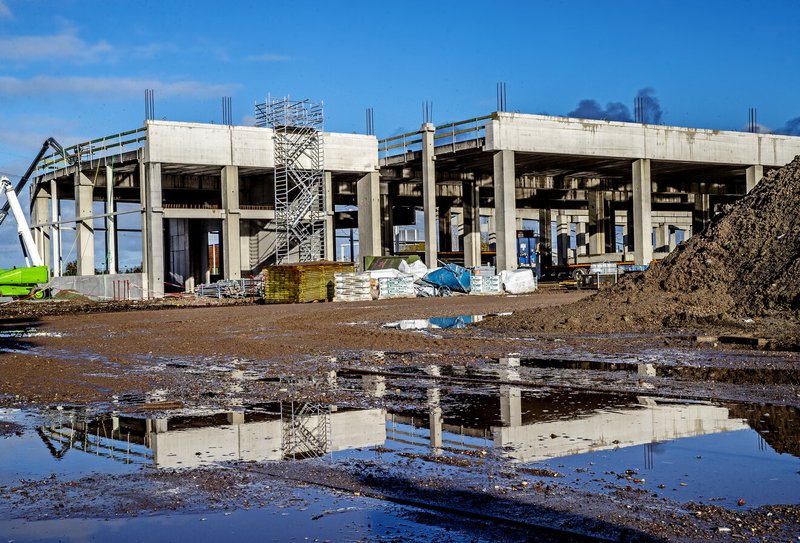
460 321
598 441
740 376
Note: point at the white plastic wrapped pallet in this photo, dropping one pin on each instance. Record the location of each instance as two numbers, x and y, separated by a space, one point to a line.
518 281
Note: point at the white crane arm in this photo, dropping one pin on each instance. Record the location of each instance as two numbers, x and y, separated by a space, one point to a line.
23 227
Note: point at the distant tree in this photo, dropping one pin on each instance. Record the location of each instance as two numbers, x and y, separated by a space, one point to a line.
71 268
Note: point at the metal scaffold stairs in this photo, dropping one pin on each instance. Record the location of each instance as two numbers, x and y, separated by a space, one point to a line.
299 179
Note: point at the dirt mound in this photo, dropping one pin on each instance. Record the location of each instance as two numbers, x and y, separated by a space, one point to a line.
745 264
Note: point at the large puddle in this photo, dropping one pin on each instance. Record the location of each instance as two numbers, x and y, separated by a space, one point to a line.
698 451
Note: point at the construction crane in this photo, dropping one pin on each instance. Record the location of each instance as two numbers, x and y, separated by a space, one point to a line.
27 281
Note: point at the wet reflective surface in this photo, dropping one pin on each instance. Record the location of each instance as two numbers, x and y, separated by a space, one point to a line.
600 441
460 321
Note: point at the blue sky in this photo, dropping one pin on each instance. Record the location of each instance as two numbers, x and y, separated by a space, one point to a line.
77 70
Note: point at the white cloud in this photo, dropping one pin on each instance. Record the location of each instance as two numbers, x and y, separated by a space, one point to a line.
109 87
268 57
56 47
5 13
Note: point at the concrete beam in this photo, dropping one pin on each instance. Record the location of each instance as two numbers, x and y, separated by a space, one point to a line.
429 195
231 227
753 176
642 213
506 208
84 234
472 224
583 137
369 215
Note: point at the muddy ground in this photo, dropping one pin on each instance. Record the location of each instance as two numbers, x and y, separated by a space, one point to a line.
158 363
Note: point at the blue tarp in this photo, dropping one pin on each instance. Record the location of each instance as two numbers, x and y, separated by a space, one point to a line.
450 276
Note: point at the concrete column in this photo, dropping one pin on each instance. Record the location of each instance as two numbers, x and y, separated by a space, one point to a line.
491 227
505 202
673 239
40 211
754 175
702 213
642 213
329 250
581 239
563 234
154 223
429 195
55 217
597 223
435 418
445 228
662 237
387 221
630 232
511 406
368 192
111 223
231 226
470 191
546 237
84 229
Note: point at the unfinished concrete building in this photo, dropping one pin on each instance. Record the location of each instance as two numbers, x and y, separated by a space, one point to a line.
210 202
591 178
203 192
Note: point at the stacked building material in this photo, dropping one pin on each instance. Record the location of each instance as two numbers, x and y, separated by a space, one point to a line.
352 287
304 282
396 287
485 284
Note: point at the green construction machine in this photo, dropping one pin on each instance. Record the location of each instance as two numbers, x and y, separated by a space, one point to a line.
23 282
32 280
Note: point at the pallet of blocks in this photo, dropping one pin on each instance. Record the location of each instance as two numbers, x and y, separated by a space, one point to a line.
352 287
396 287
303 282
485 284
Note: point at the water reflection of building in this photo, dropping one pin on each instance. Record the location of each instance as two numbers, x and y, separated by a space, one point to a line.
281 431
533 425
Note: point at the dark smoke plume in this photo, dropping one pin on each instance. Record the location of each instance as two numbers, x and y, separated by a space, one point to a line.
792 128
591 109
617 111
651 108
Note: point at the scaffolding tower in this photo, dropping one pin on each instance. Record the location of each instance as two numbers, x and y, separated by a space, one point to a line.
299 177
306 430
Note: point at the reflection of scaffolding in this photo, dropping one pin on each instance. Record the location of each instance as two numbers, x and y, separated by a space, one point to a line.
299 217
306 429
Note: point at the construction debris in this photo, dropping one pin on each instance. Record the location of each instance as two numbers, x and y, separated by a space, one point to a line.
233 288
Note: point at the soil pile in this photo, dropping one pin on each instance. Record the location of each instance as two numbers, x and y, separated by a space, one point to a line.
745 264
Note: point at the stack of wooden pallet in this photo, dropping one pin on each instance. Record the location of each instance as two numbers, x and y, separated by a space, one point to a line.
304 282
353 287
